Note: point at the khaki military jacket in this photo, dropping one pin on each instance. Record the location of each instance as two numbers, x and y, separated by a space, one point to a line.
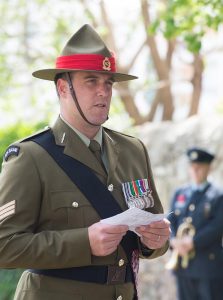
44 217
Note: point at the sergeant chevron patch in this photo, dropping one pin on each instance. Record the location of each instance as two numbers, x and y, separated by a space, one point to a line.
7 209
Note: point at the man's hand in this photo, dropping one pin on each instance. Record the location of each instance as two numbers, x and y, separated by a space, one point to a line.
104 239
155 235
183 245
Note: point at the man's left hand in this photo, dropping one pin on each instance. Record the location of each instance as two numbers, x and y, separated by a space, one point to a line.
154 235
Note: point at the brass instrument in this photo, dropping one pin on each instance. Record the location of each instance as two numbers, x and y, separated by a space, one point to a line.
185 229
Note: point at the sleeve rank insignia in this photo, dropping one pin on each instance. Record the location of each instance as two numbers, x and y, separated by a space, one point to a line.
138 194
12 150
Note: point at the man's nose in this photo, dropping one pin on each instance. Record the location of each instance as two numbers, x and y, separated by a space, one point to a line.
102 90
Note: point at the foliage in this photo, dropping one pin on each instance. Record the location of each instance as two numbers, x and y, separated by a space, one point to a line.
28 44
8 282
15 132
189 20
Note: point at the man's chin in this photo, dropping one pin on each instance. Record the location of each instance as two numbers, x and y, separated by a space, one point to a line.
99 122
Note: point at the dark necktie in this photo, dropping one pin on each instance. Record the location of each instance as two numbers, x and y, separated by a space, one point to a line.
96 150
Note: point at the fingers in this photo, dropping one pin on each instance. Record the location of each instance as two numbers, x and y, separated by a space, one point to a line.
156 234
104 239
163 224
152 244
114 228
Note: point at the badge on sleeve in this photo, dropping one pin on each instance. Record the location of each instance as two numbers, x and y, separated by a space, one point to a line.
12 150
138 194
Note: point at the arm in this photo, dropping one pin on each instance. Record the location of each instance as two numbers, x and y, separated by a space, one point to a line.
172 217
151 245
22 243
212 230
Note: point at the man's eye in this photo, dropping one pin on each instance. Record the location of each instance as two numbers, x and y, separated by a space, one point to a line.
110 83
91 80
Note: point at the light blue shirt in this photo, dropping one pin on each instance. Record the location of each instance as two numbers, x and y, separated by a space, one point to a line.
199 187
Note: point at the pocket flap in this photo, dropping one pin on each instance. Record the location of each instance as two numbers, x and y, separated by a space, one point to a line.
67 199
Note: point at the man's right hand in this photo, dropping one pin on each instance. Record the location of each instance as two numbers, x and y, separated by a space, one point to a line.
104 239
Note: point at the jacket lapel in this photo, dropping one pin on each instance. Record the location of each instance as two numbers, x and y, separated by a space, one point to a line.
74 146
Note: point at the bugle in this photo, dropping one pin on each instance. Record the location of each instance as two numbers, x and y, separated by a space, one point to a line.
185 229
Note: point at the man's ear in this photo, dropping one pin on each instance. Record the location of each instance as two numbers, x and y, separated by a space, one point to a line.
62 87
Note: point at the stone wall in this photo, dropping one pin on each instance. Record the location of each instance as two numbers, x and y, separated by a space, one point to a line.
166 143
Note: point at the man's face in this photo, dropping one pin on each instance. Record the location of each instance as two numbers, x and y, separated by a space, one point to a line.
199 172
93 91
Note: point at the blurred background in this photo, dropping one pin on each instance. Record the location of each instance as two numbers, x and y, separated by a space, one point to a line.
174 47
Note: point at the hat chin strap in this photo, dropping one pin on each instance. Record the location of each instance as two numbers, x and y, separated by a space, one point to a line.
76 101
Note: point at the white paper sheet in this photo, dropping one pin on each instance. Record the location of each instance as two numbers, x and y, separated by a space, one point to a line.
133 217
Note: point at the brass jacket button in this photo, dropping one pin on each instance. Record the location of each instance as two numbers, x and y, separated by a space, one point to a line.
121 262
110 187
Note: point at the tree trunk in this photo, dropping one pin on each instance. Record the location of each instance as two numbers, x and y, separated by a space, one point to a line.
162 67
129 103
123 87
197 84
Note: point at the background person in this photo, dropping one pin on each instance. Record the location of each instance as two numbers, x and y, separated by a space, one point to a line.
197 229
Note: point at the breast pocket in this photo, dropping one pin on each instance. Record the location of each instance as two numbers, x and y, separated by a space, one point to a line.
70 209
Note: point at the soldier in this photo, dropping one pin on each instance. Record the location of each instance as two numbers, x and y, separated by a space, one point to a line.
58 184
197 228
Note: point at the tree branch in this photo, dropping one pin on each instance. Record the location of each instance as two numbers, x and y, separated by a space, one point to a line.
136 55
110 37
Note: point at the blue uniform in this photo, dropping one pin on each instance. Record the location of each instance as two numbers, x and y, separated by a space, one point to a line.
203 278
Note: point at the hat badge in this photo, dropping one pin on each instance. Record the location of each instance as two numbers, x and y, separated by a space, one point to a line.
193 155
106 64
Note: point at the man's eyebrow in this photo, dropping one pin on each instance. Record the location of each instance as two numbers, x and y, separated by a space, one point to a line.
110 79
91 76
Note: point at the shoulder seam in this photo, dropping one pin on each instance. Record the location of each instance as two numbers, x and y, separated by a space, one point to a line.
120 133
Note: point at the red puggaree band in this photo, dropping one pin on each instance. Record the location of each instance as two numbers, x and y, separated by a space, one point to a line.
95 62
